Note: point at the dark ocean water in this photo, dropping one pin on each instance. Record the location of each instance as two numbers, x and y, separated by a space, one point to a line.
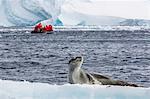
123 55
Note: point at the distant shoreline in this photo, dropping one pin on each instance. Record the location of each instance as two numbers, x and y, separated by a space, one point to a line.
84 28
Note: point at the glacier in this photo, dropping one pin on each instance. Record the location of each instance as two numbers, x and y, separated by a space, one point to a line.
28 12
26 90
58 13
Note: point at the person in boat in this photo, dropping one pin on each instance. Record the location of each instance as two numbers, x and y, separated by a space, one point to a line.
47 28
38 28
42 29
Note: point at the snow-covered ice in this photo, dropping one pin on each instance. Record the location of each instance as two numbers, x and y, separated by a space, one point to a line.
101 28
26 90
84 28
71 12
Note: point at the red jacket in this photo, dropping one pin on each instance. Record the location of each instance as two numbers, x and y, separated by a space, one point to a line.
38 27
48 28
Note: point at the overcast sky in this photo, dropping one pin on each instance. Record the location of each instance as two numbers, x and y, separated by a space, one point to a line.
120 8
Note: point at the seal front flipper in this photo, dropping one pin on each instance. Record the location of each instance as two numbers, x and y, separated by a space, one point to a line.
92 79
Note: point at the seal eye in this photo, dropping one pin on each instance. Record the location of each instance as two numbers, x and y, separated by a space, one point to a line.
75 60
78 58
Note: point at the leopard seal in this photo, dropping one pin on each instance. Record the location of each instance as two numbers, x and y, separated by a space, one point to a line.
78 76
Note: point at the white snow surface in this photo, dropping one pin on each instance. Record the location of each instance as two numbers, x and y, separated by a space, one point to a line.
101 28
26 90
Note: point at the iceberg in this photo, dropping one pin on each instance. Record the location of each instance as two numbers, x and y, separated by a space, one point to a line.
28 12
26 90
69 12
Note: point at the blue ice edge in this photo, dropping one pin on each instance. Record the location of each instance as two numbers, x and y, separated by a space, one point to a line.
26 90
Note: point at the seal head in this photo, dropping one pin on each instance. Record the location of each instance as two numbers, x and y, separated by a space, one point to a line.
76 62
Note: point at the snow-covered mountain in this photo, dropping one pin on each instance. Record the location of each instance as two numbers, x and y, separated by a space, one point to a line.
135 22
56 12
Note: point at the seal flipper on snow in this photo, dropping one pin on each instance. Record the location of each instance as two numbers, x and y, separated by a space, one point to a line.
107 81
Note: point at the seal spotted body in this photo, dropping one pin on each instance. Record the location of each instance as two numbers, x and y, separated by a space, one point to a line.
78 76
